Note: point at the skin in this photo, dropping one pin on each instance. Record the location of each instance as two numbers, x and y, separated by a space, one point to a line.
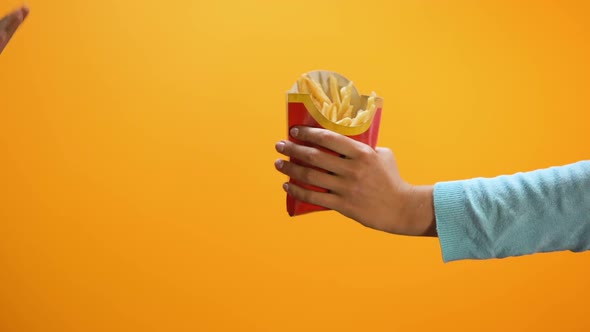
365 185
10 23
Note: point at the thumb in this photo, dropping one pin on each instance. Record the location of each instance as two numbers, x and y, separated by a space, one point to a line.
384 152
387 156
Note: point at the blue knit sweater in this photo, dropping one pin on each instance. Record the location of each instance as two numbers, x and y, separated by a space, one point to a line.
512 215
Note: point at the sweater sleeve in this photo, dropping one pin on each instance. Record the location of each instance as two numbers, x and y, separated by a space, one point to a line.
512 215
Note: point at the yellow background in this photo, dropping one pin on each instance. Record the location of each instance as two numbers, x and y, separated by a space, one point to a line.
137 187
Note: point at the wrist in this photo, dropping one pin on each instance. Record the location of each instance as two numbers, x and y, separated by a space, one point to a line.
419 211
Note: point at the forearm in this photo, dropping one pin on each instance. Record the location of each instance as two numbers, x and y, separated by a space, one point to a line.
524 213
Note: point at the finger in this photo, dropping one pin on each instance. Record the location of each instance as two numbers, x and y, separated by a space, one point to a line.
14 22
9 19
16 16
25 12
327 200
9 24
314 157
4 21
308 175
330 140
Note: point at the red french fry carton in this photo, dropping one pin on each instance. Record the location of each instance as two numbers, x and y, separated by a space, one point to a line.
302 111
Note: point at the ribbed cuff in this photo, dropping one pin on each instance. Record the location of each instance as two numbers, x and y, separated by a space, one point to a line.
449 209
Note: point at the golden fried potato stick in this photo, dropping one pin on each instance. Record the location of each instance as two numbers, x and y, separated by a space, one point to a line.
334 90
345 122
370 102
326 110
371 106
301 86
334 113
346 93
360 118
348 113
316 90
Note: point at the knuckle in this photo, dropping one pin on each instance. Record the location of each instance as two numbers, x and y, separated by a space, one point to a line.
305 195
356 175
356 190
294 150
322 137
287 168
306 175
308 196
302 133
366 151
348 170
293 191
367 155
313 156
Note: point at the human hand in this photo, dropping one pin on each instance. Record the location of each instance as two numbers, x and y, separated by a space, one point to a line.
365 185
9 24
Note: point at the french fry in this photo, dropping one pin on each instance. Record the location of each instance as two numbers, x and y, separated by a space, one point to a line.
370 102
372 109
334 113
360 118
301 85
348 113
334 90
344 122
326 110
316 90
346 97
317 104
342 106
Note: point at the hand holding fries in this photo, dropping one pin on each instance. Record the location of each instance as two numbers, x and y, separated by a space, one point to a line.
328 100
365 186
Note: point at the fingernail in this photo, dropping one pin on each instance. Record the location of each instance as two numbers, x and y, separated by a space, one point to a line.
286 187
294 132
280 146
279 164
